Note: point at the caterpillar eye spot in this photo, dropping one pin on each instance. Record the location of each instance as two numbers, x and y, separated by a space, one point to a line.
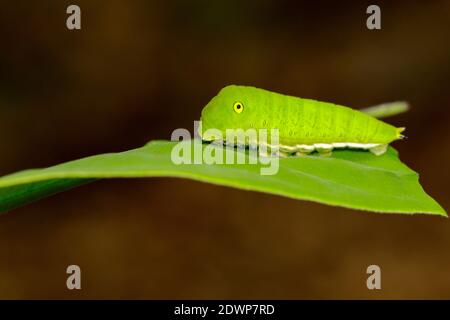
238 107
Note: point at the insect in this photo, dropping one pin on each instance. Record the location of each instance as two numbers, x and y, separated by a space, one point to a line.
304 125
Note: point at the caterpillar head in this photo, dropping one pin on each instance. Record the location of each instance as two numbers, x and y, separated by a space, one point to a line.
231 108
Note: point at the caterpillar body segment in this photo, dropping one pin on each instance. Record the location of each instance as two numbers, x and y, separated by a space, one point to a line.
304 125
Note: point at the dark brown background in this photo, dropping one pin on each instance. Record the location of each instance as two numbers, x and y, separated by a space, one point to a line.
139 69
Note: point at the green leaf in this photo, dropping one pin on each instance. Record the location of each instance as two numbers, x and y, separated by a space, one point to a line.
352 179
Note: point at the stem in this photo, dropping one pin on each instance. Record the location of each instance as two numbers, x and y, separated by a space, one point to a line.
387 109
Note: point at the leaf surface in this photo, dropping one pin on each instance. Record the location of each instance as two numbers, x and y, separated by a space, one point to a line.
352 179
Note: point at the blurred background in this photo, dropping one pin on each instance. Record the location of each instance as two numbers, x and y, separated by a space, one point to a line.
139 69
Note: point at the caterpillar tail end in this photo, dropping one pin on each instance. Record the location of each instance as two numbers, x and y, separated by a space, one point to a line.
399 133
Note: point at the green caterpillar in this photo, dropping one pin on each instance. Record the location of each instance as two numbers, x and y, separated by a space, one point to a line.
304 125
